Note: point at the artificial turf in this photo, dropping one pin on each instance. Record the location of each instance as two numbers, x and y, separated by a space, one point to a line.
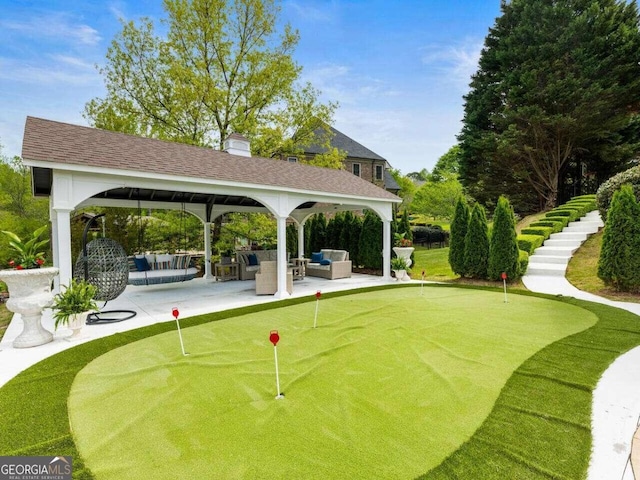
537 429
388 386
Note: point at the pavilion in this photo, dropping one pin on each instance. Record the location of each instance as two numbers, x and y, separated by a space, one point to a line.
80 166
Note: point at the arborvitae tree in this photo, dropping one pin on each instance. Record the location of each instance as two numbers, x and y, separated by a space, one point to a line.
405 226
503 250
318 234
292 239
458 232
476 244
350 236
619 264
371 241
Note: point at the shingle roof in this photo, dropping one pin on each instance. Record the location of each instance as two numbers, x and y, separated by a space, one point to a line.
342 142
62 143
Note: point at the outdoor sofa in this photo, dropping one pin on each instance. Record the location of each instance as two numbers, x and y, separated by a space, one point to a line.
329 264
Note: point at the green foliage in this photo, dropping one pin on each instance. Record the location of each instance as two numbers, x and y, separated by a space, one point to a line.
543 231
552 217
407 187
256 228
30 253
528 243
556 227
619 264
523 262
503 247
607 189
75 298
350 236
458 233
555 85
317 233
221 67
292 239
447 165
476 244
438 199
371 241
399 263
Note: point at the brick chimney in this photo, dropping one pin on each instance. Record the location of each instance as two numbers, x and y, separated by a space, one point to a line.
236 144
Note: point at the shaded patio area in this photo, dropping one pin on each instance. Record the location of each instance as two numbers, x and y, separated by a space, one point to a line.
154 304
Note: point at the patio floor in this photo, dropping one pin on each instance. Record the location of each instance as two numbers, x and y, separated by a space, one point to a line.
153 304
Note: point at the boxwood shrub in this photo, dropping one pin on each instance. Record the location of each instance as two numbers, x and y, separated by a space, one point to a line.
544 231
608 188
556 226
564 220
523 261
529 243
564 212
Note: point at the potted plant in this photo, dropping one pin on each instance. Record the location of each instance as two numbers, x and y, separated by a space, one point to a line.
29 253
400 267
73 304
29 287
403 248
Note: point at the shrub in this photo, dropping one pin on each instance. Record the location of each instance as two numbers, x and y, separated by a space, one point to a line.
476 244
556 226
523 262
503 248
370 245
458 233
564 220
604 195
571 213
619 263
529 243
544 231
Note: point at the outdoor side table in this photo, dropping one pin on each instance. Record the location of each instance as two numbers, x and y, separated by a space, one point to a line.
225 271
301 264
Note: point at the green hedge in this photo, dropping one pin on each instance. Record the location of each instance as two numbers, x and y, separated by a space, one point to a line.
564 221
544 231
523 261
557 226
571 213
529 243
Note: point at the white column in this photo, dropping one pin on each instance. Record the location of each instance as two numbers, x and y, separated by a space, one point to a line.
386 250
55 245
62 245
301 239
282 257
207 251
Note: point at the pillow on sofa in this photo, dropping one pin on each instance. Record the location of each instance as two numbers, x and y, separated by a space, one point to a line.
253 259
325 261
317 257
141 264
338 255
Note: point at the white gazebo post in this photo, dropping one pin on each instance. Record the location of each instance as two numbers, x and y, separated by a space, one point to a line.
301 239
281 222
62 245
386 249
207 251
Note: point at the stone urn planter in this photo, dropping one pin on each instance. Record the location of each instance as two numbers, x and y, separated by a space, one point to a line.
75 324
29 294
404 252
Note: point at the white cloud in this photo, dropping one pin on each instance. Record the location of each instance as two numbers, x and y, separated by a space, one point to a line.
63 72
56 25
456 63
312 11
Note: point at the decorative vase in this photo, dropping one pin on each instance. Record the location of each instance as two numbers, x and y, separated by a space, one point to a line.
404 252
400 274
76 322
29 294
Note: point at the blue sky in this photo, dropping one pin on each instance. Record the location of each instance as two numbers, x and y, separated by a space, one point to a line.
398 69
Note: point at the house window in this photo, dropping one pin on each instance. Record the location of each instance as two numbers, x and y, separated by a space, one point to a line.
378 172
355 168
292 159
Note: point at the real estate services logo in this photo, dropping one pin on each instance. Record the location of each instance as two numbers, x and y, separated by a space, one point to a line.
36 468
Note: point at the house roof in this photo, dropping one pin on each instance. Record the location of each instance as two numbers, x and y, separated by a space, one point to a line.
342 142
62 144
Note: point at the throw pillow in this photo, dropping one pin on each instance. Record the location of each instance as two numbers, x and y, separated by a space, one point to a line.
325 261
141 264
317 257
253 259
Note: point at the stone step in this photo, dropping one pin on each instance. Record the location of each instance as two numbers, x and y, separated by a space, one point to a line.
580 236
583 226
559 242
546 269
546 259
565 252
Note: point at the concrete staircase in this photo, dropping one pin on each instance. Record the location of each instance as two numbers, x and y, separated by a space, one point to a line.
552 258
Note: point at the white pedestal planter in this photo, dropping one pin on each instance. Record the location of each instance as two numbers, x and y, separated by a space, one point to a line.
404 252
401 275
76 322
29 294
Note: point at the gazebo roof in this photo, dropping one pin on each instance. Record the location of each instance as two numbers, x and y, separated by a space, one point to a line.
49 144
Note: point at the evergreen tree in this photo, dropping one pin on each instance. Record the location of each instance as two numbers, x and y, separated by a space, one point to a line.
370 250
619 263
318 233
503 250
292 239
476 244
556 84
458 232
405 226
350 236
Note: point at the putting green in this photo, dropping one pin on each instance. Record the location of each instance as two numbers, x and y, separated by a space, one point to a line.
388 385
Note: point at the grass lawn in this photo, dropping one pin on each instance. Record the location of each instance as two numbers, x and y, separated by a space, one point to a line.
389 385
538 426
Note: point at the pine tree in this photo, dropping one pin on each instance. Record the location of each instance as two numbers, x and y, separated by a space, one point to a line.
370 245
458 232
476 244
503 249
405 226
619 264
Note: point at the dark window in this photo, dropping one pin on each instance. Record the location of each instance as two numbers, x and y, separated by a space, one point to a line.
356 169
379 172
292 159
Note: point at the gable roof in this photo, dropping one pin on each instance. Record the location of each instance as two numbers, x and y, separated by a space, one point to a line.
49 143
347 144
